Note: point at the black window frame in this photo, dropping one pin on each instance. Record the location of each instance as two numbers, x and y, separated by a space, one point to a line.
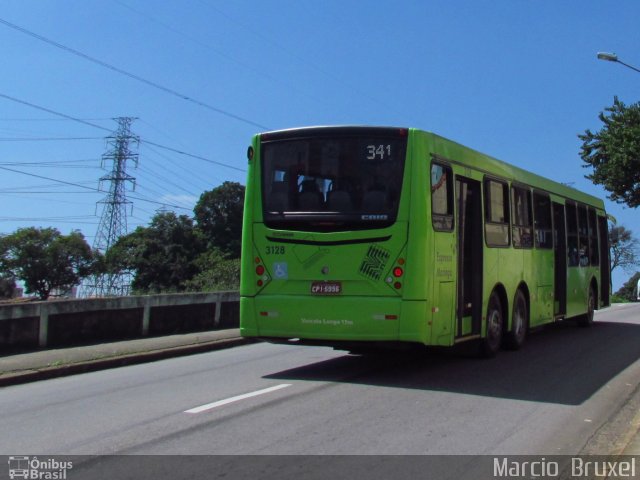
496 226
594 245
322 219
583 235
521 232
443 222
542 223
571 213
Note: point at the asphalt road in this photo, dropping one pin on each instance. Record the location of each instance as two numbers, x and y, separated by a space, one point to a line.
551 397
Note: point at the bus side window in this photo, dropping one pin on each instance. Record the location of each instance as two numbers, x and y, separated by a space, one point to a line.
583 235
441 197
542 220
593 238
522 231
496 226
572 235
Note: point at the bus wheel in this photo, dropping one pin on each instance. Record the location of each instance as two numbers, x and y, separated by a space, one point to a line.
586 320
491 342
519 323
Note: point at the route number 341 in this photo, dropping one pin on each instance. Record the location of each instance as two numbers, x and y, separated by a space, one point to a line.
378 152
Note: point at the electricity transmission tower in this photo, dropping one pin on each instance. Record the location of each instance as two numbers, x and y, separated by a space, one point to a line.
113 221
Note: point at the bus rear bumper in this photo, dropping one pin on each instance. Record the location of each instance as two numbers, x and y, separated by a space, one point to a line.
325 319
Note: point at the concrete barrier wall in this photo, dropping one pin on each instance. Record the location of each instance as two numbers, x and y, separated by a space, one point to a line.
73 322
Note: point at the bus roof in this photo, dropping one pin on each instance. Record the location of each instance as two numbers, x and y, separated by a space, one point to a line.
450 150
457 153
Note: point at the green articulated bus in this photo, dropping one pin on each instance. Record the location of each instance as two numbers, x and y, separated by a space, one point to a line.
355 236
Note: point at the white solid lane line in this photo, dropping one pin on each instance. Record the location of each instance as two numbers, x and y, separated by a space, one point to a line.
219 403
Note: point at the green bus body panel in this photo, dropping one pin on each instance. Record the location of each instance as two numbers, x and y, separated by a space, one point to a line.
294 262
280 303
344 318
578 288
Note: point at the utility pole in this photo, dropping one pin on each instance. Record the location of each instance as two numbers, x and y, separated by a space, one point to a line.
113 221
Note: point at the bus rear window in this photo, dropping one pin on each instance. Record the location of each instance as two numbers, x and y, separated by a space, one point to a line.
328 183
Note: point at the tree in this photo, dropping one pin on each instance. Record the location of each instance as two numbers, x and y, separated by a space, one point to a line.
614 152
624 249
629 290
162 255
216 272
45 260
218 214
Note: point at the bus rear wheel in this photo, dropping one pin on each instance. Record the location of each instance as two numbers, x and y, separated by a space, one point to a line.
495 320
519 323
586 320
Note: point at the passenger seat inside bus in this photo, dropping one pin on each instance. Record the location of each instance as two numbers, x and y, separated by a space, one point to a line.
339 199
279 198
310 198
374 201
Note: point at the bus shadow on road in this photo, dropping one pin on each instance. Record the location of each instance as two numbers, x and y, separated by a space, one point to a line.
560 364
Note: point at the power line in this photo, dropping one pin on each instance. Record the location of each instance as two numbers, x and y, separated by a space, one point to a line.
53 162
165 180
194 183
50 179
13 192
158 203
43 109
153 193
46 119
47 165
260 72
131 75
84 122
196 180
180 152
47 185
46 139
47 219
44 199
72 217
94 190
302 60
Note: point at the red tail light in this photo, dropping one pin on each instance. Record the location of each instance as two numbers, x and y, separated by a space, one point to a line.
261 272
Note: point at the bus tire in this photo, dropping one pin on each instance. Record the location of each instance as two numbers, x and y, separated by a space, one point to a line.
495 320
586 320
515 337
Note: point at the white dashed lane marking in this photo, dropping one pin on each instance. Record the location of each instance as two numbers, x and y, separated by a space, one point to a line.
226 401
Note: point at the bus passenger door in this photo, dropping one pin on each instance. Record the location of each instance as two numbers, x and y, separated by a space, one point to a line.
470 248
560 260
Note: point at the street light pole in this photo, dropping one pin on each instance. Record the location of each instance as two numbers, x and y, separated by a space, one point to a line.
612 57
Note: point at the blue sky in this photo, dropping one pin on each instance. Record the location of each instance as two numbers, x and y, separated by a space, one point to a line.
515 79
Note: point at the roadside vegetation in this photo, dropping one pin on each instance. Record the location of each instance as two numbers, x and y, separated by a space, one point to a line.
178 253
629 291
174 253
